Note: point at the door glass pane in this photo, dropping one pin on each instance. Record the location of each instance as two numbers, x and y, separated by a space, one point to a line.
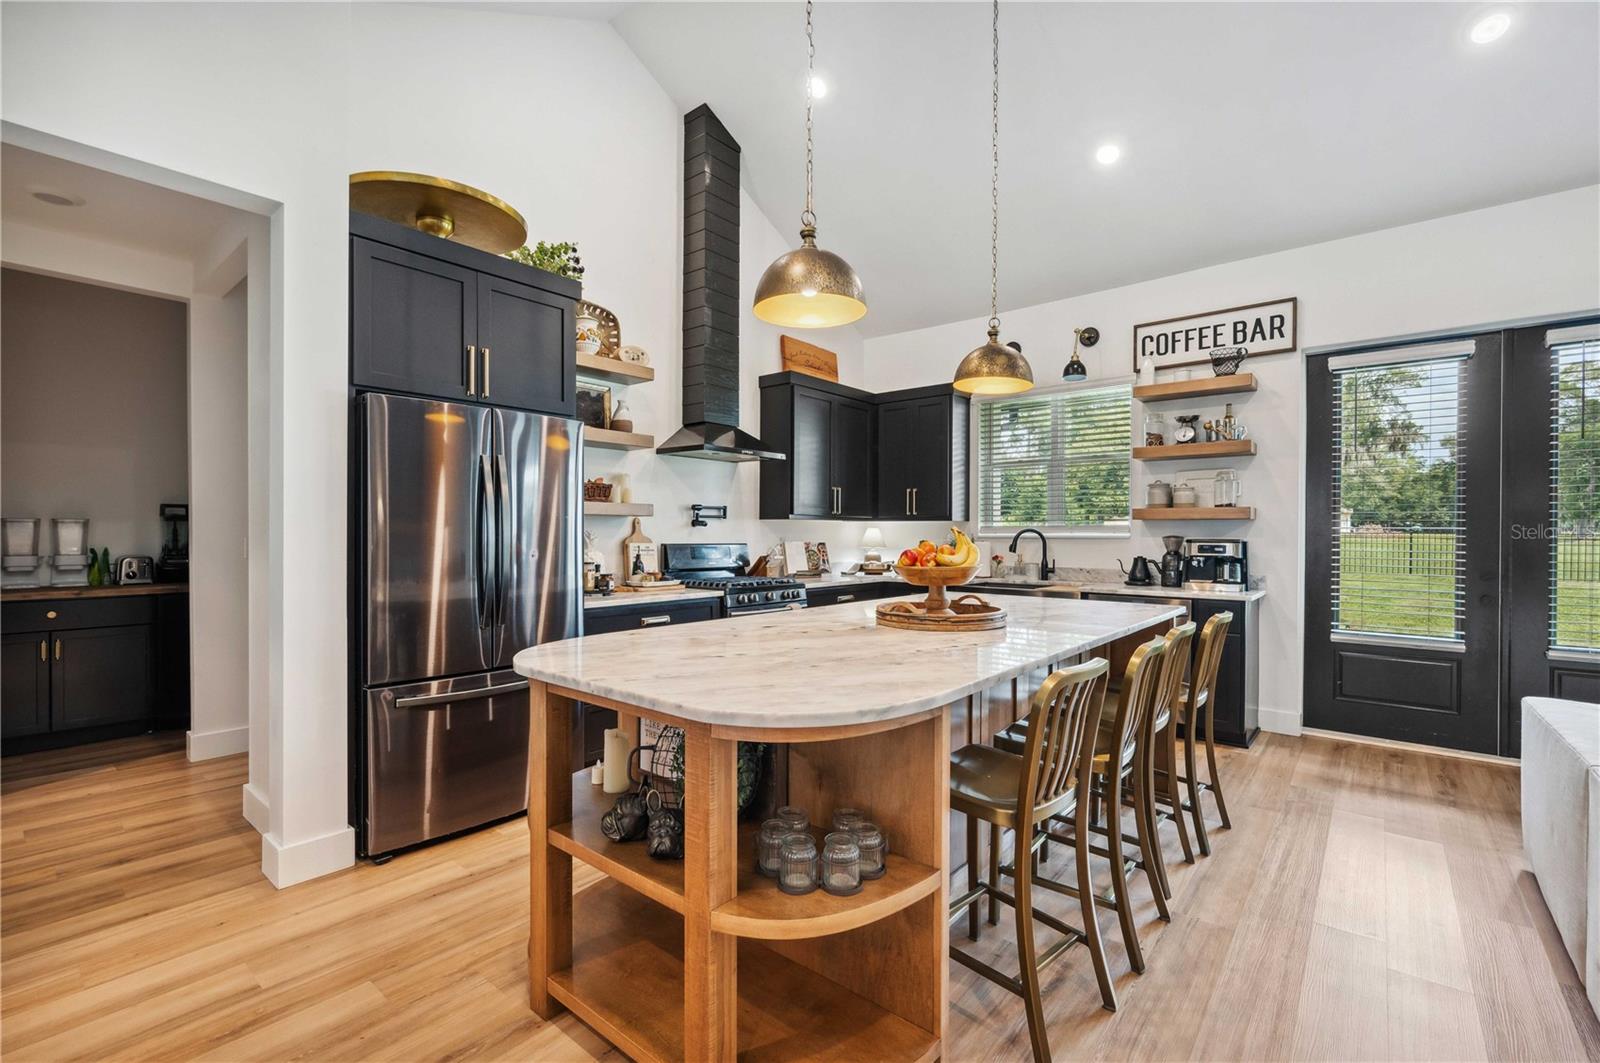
1399 544
1575 496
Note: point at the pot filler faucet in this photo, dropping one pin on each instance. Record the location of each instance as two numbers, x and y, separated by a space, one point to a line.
1046 569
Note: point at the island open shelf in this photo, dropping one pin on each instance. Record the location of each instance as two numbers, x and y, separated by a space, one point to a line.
626 980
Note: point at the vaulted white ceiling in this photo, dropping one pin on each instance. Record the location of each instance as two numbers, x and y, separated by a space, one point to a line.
1245 129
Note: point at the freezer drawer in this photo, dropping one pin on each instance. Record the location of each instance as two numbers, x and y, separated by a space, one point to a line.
444 756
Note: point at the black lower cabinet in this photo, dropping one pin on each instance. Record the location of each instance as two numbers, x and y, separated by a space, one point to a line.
86 669
589 723
1236 715
818 597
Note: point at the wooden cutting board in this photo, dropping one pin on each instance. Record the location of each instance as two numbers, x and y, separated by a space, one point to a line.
802 357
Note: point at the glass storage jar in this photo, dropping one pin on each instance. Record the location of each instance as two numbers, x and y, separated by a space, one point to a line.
874 846
769 844
841 864
797 866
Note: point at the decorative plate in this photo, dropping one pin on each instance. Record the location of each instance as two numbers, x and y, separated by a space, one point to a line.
610 330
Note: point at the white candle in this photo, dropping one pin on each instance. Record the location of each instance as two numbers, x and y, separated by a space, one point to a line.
616 761
597 772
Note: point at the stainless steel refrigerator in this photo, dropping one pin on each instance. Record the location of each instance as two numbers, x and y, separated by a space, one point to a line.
470 535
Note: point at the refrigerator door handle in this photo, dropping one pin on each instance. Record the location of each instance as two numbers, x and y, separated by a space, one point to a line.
488 545
425 700
503 540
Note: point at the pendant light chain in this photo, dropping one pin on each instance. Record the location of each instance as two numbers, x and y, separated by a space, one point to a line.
994 183
808 217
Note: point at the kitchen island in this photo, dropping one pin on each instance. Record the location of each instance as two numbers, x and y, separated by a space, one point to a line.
703 959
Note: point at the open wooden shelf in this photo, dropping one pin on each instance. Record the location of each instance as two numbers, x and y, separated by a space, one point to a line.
627 862
1222 448
762 910
610 440
626 980
1195 513
618 509
614 369
1200 388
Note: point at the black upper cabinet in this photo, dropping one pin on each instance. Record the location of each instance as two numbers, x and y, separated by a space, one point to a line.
858 456
827 431
433 318
412 322
922 455
526 340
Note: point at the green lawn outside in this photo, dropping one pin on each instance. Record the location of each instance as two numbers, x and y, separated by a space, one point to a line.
1403 584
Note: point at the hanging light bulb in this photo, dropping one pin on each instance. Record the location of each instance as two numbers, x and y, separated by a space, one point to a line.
809 287
994 368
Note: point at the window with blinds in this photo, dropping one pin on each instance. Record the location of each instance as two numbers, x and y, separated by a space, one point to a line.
1057 461
1399 543
1575 489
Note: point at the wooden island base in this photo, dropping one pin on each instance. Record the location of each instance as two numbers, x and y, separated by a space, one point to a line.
704 959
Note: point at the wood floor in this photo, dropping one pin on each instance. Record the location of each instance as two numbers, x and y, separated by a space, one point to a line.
1368 904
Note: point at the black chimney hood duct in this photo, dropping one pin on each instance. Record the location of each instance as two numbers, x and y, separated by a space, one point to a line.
711 299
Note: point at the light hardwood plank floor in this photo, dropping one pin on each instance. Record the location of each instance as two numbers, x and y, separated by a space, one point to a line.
1369 904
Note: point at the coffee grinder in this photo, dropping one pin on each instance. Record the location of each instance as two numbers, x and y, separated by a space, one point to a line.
173 567
1172 561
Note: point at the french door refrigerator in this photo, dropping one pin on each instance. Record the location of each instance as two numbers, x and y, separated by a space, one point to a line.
469 536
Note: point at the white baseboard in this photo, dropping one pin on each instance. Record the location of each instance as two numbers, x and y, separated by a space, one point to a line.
287 865
256 810
1412 747
206 745
1279 721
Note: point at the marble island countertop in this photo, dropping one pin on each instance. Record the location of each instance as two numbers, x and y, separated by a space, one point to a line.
824 667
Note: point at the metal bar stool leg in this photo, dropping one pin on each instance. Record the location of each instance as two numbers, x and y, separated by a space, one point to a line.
1026 948
1194 788
1119 871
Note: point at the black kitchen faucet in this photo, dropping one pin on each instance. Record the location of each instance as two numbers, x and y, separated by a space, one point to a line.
1046 569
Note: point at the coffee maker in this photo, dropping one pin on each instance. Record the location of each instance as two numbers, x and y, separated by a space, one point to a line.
1172 562
1217 564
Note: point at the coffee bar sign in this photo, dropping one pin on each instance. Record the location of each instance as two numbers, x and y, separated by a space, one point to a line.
1260 328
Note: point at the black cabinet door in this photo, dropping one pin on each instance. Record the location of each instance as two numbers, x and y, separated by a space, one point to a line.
411 322
930 471
811 459
1228 712
24 683
896 458
632 618
100 676
526 347
852 459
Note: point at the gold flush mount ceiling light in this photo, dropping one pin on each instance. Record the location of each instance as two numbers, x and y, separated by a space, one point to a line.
994 368
809 287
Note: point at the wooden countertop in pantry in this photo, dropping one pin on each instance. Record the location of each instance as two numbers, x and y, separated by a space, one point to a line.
121 590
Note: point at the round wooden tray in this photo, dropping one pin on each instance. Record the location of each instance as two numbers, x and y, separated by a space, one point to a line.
967 613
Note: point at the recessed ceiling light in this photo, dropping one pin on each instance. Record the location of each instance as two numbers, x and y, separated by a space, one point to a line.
1490 27
57 199
1106 154
819 88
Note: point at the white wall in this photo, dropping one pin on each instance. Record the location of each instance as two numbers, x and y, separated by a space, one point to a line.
1535 257
94 409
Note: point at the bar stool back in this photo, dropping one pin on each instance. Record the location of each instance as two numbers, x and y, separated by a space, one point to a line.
1017 793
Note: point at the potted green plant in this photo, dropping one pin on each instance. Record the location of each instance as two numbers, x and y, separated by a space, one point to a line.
561 259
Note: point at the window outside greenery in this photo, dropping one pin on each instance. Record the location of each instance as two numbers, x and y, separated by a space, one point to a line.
1057 461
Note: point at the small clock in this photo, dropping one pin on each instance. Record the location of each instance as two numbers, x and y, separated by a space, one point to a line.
1185 432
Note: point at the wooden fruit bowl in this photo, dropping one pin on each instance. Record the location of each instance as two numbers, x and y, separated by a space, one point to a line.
936 578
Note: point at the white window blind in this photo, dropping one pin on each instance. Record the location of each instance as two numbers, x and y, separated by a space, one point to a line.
1575 492
1056 461
1398 508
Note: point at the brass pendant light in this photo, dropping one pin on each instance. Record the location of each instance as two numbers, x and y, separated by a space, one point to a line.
809 287
994 368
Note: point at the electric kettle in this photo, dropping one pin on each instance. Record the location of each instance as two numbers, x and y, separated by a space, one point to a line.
1138 573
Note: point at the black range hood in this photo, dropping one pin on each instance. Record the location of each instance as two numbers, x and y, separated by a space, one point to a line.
711 299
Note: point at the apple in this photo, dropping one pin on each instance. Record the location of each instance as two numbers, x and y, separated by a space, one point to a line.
909 558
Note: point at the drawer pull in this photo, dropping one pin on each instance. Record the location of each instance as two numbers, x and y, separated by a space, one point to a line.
845 598
51 615
654 621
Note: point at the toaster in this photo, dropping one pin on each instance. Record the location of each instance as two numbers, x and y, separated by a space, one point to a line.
135 570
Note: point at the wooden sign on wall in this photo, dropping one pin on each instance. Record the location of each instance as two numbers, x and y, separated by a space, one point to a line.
802 357
1260 328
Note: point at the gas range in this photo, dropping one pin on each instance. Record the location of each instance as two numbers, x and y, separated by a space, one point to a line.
723 567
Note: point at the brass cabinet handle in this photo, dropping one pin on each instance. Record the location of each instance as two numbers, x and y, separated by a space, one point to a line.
845 598
908 501
58 649
44 652
653 621
472 371
486 372
914 500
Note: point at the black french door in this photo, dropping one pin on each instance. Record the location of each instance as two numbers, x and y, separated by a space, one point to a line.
1453 535
1553 518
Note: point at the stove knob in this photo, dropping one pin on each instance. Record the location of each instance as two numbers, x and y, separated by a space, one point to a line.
741 598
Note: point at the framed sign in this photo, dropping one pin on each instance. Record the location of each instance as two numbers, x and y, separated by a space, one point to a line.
1260 328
